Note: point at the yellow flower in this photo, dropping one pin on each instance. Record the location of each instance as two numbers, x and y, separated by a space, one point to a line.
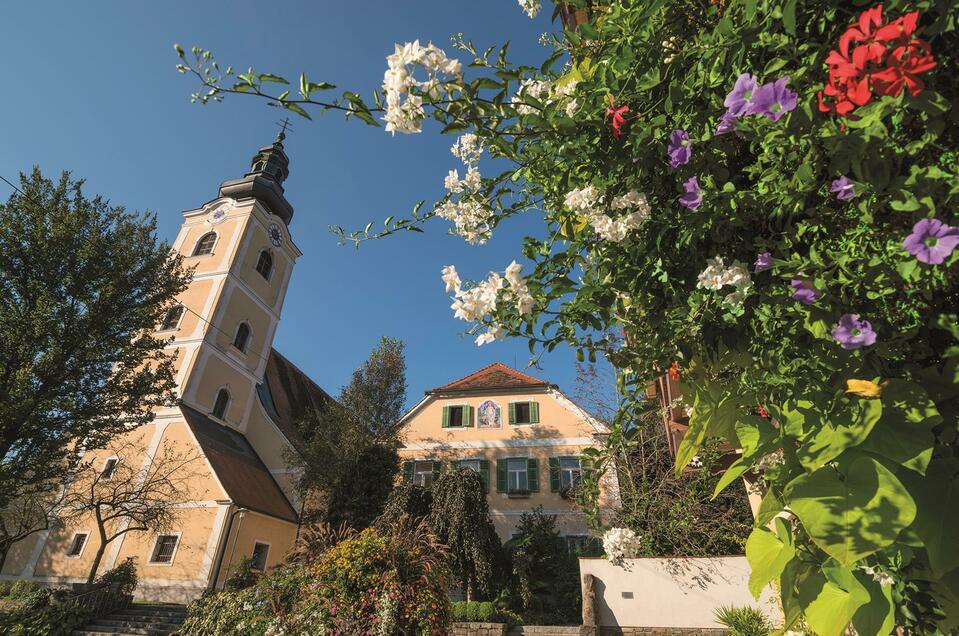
864 388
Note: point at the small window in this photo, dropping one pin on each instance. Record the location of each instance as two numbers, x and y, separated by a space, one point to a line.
76 545
517 478
205 244
472 464
222 401
242 336
258 559
423 473
570 472
172 318
164 549
523 413
264 264
108 468
455 416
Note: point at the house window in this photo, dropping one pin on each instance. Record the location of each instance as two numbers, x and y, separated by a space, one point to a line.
242 336
205 244
523 413
76 545
258 559
222 401
516 475
108 468
264 264
172 318
454 416
570 472
472 464
423 473
165 548
582 545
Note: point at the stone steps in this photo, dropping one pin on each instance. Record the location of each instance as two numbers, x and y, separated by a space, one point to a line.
137 620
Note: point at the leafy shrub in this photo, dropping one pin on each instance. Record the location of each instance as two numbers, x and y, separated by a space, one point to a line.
471 611
22 588
744 621
372 583
485 613
42 613
5 587
123 576
241 575
459 611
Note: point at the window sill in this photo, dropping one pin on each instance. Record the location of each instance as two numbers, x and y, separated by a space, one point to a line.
518 494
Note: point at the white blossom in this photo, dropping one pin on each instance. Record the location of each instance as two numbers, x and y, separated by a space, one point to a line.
468 148
583 199
493 332
473 180
470 217
524 303
718 275
404 109
531 7
620 544
452 279
452 182
880 577
696 462
571 107
513 276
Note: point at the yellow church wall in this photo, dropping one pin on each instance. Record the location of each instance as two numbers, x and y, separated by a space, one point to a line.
256 242
194 527
195 297
270 445
19 555
227 232
217 374
250 528
241 308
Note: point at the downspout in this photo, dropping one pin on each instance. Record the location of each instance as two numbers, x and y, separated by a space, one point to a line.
221 551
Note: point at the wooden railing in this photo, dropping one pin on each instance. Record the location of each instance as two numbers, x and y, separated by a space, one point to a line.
99 599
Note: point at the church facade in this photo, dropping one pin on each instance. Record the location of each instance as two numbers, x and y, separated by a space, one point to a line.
240 400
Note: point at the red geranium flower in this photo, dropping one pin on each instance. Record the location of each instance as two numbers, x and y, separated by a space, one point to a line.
906 63
674 371
617 115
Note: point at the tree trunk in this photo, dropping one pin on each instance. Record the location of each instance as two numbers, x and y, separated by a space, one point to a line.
4 550
96 562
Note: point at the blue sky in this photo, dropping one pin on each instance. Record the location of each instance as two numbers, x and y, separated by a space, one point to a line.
91 88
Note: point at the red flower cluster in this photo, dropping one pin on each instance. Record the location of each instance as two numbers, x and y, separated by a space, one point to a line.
674 371
875 58
617 115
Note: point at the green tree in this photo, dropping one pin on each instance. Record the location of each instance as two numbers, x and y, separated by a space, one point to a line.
83 285
459 517
346 454
762 192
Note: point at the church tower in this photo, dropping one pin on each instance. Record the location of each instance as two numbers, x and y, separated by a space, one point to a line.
240 249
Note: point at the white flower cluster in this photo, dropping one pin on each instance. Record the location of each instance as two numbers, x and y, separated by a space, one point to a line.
545 92
880 577
620 544
471 213
404 108
717 275
477 302
586 200
531 7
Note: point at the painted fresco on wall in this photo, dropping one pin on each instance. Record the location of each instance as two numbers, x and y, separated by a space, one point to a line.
489 415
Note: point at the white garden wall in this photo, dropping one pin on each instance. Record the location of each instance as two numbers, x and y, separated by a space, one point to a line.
672 592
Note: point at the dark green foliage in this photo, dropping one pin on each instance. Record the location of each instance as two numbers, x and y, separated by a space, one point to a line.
744 621
376 393
23 587
472 611
5 588
241 575
123 577
485 613
459 611
545 576
42 613
406 499
83 285
364 487
460 518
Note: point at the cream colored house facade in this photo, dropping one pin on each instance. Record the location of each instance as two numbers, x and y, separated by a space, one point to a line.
240 401
523 435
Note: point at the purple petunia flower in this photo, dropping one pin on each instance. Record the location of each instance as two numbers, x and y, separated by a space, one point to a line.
693 196
727 123
931 241
763 262
739 100
805 292
679 148
852 333
773 99
844 188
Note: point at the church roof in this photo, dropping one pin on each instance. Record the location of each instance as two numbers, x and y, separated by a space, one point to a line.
239 469
495 376
288 394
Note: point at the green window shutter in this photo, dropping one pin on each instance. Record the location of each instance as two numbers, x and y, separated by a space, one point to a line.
437 468
467 416
534 412
446 417
407 472
501 475
554 481
512 413
484 473
532 474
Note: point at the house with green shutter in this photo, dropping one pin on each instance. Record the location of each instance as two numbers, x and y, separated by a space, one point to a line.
523 436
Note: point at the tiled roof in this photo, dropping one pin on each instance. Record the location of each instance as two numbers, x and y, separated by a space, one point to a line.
495 376
288 394
245 478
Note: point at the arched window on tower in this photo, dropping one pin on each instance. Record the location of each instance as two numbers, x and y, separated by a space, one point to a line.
264 264
219 406
171 319
242 338
205 244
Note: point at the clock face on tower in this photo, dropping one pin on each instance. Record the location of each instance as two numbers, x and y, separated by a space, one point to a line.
276 237
219 213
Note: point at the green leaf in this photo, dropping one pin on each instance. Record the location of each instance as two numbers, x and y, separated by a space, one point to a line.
789 17
269 77
846 429
734 472
878 616
851 509
831 600
769 507
714 415
937 502
296 108
768 553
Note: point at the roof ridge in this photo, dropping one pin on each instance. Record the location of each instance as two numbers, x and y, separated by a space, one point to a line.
527 379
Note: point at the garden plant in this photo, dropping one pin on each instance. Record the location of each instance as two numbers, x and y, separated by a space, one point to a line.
760 195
